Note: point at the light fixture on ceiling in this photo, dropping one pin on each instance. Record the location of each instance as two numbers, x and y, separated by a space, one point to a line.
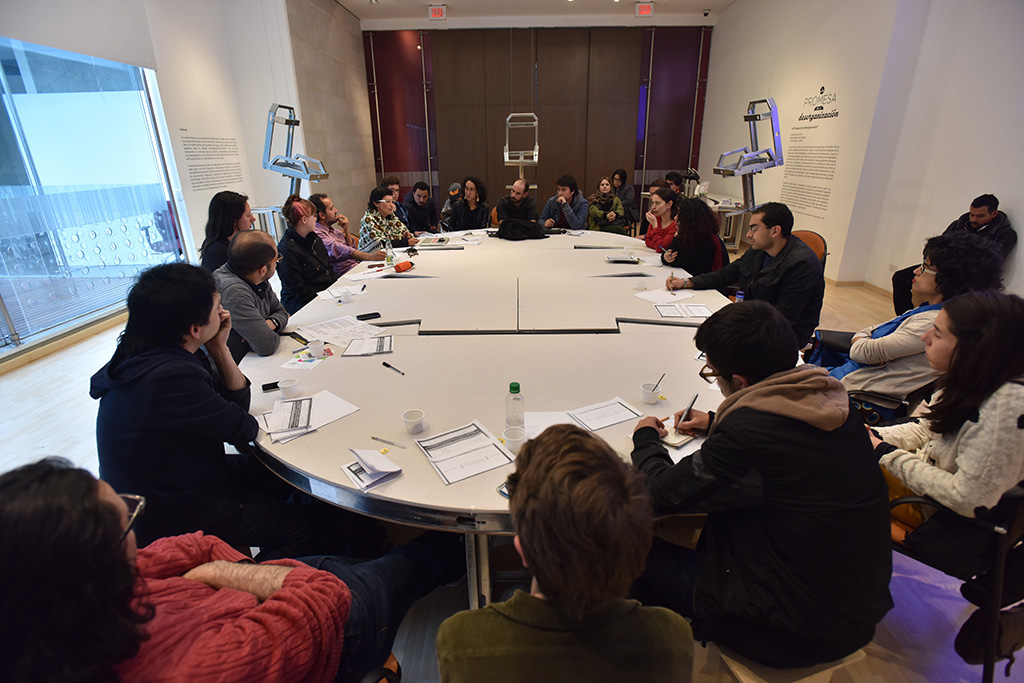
373 2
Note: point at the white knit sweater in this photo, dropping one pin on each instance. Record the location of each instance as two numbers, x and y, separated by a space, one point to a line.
972 468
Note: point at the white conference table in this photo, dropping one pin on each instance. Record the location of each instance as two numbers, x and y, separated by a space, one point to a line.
538 312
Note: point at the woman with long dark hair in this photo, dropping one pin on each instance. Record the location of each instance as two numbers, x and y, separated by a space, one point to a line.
967 449
229 214
696 247
627 195
471 212
662 219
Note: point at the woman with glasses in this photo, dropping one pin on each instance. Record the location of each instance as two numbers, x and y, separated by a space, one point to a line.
471 212
380 224
967 448
889 358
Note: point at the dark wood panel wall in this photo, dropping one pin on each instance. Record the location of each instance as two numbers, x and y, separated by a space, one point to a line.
584 84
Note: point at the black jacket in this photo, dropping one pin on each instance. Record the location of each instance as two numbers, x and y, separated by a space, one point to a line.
304 270
421 218
160 432
999 231
793 282
527 209
797 555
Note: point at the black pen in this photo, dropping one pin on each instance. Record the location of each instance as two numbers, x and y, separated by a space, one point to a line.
363 289
392 367
686 413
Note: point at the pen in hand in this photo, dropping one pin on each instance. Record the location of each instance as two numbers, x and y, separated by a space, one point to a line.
686 413
392 367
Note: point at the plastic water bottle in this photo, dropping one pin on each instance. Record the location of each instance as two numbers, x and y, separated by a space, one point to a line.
514 407
740 295
389 254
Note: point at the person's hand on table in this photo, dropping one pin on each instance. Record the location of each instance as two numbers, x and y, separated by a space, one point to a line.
378 255
697 425
549 223
651 421
674 282
413 241
670 256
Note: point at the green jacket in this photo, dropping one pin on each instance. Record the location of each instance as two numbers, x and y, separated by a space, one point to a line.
527 639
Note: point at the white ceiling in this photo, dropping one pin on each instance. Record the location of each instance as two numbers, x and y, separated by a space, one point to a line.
410 14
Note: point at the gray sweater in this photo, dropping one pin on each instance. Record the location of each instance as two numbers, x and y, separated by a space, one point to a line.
250 308
972 468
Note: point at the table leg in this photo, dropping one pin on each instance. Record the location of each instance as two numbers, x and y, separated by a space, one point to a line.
484 570
472 580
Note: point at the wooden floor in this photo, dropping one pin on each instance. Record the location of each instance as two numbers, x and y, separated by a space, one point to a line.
49 412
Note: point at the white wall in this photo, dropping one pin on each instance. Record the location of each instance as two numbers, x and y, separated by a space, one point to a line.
789 50
960 135
220 66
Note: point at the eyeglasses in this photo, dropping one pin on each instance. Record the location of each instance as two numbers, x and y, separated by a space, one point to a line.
136 506
278 258
708 374
925 268
754 228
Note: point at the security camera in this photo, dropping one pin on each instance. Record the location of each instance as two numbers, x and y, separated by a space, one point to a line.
707 12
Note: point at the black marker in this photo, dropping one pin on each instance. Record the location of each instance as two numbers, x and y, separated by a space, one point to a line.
392 367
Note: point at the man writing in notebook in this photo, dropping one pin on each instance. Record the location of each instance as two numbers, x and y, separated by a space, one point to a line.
793 566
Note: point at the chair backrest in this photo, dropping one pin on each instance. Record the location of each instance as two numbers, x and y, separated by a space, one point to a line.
815 241
494 216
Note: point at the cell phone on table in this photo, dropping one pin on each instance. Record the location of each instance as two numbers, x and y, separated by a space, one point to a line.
368 316
503 489
269 386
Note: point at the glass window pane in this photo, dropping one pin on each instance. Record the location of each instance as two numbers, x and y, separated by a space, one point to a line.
84 206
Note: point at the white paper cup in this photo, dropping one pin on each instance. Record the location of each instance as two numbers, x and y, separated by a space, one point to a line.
641 284
289 387
346 297
648 394
316 348
514 438
413 420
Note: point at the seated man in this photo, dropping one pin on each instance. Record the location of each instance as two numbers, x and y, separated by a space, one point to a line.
778 268
257 316
164 416
517 204
340 244
984 220
421 210
82 603
583 525
793 565
888 358
394 186
567 209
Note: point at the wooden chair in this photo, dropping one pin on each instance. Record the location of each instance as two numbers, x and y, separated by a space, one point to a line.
815 241
1005 523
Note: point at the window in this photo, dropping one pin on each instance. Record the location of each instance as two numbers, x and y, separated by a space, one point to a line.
84 200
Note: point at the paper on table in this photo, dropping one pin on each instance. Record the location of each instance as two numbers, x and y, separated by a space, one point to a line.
606 414
335 292
289 415
326 409
370 469
663 296
303 361
652 260
669 311
368 274
340 330
696 310
368 347
537 422
464 452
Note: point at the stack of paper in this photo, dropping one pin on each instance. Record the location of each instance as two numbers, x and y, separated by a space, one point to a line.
289 421
371 346
370 469
335 292
464 452
340 331
683 310
606 414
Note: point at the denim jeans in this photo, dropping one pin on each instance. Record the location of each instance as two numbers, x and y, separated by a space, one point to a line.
669 578
383 590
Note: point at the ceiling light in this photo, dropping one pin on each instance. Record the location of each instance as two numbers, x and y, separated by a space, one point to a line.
373 2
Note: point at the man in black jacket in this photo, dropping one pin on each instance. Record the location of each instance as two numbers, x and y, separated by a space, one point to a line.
793 565
778 268
165 414
984 220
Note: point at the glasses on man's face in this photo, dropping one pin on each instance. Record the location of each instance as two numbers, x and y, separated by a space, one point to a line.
925 268
136 505
278 258
708 374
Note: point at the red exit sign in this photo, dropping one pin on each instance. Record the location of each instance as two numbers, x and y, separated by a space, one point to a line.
437 12
645 9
